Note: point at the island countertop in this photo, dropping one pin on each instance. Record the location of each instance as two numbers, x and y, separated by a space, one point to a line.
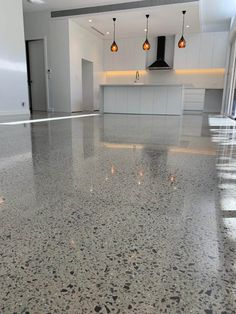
140 85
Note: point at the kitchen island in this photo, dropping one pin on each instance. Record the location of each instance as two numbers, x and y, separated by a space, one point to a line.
140 98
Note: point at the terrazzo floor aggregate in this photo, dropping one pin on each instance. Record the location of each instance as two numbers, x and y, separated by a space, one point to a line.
118 214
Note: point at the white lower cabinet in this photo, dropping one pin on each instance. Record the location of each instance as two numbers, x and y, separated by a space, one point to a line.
146 99
194 99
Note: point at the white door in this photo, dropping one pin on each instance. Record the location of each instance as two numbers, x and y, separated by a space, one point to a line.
87 85
37 76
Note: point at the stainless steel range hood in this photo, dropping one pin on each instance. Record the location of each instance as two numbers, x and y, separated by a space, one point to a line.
160 63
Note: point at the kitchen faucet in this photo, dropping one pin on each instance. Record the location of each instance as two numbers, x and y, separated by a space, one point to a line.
137 77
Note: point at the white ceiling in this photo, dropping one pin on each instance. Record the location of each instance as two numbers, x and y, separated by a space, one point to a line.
55 5
216 14
163 20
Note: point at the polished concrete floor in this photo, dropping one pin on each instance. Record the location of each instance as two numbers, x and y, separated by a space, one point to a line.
118 214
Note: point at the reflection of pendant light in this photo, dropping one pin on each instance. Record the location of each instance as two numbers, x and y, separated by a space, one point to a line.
114 47
146 44
113 170
182 41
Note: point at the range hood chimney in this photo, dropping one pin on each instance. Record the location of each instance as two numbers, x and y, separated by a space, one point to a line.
160 63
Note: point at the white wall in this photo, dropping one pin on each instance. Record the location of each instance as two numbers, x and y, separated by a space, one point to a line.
84 45
211 81
55 32
125 58
232 33
13 73
37 25
67 44
60 65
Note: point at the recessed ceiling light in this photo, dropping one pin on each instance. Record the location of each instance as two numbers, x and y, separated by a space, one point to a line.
145 30
187 26
90 21
108 33
36 1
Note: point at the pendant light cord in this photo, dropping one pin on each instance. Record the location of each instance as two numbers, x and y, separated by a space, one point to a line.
114 33
184 12
147 16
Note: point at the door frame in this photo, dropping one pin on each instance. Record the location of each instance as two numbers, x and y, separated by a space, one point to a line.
46 70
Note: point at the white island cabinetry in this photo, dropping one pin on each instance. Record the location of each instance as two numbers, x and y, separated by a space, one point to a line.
143 99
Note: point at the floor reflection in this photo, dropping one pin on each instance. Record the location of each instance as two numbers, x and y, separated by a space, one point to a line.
224 135
118 214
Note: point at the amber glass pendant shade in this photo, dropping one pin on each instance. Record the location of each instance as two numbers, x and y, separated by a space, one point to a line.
146 44
182 42
114 47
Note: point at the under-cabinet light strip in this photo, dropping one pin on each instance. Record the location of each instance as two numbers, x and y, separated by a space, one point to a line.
201 71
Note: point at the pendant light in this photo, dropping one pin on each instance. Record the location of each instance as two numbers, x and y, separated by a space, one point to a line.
146 44
182 41
114 47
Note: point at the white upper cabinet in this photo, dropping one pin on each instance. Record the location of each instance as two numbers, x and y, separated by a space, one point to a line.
193 52
206 51
220 49
130 55
203 51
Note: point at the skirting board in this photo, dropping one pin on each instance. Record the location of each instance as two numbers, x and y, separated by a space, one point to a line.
10 113
193 112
